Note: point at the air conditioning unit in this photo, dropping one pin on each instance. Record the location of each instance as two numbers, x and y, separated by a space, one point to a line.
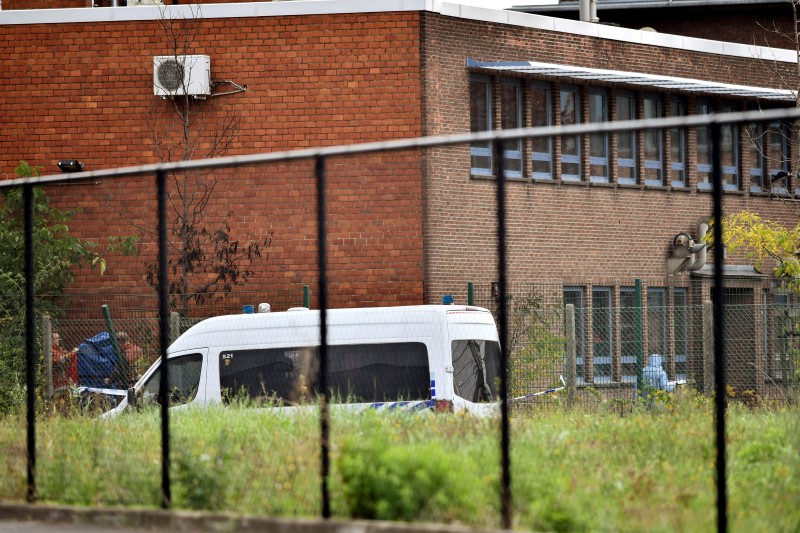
182 75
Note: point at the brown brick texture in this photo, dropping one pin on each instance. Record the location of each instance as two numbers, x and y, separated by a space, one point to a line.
85 91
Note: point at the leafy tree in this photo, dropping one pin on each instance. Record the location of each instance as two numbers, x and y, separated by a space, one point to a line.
777 247
768 242
57 253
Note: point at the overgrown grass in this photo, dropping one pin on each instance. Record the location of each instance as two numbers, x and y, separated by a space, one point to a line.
650 470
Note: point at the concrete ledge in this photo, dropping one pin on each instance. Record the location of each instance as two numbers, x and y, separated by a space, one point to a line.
157 519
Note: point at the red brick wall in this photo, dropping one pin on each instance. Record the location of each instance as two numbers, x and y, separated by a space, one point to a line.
85 91
557 232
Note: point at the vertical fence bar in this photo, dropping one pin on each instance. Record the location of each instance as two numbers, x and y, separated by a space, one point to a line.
502 316
319 168
30 339
163 315
470 293
306 297
720 401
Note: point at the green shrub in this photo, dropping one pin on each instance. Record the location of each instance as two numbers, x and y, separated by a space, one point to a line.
201 478
386 476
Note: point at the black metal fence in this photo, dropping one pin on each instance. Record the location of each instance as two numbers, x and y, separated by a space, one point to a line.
586 362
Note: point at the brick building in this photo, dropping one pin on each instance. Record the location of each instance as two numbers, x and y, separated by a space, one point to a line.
587 216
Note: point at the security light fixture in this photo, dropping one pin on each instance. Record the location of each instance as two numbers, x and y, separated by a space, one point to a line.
70 165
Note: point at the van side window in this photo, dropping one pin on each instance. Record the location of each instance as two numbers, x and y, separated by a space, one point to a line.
184 379
356 373
285 374
476 367
379 372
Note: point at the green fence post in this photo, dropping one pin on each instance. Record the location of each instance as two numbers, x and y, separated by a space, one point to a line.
117 352
470 293
639 332
306 297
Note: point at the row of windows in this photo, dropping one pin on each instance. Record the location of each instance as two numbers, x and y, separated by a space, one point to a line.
610 364
651 157
608 339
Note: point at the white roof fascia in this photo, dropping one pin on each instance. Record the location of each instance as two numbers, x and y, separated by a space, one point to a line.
451 9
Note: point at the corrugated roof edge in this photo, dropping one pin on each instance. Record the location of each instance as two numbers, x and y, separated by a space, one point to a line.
450 9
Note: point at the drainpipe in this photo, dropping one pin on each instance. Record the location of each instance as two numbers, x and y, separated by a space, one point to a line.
700 255
587 10
584 10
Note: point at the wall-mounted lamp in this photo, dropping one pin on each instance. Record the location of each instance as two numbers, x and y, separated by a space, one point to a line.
70 165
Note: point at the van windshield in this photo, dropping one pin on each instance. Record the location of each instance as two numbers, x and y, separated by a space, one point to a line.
184 379
356 373
476 370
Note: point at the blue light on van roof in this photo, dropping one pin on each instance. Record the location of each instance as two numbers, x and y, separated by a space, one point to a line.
447 299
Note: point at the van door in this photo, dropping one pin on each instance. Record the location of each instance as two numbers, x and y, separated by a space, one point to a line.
187 380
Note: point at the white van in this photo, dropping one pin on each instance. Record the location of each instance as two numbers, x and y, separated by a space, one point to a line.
442 357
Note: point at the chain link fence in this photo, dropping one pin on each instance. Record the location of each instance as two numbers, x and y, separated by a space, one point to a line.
598 355
81 347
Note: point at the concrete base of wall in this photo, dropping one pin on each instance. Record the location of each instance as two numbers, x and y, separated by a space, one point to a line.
160 520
